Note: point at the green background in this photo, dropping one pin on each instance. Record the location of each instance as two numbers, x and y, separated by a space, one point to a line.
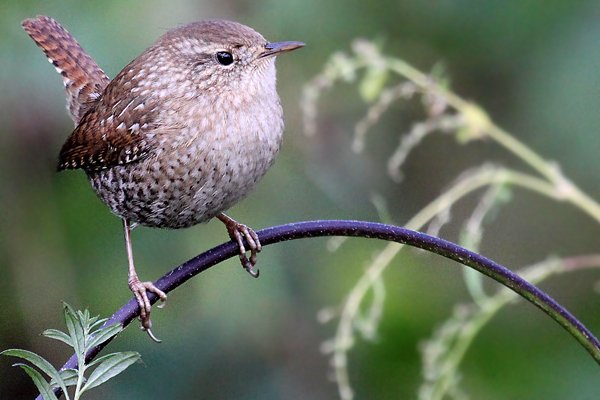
535 66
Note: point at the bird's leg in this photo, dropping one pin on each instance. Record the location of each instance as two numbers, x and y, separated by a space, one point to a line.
139 288
237 233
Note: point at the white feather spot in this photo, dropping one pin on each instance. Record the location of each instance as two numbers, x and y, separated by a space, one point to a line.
125 109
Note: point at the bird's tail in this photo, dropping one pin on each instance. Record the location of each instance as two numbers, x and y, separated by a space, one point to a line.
83 79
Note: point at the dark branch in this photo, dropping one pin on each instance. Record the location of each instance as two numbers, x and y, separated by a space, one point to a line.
300 230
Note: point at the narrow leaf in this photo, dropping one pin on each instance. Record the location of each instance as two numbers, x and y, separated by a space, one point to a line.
102 335
39 382
69 377
33 358
39 362
75 331
58 335
110 368
102 359
98 323
373 83
67 308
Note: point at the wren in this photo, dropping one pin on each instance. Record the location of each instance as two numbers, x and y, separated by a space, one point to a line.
181 134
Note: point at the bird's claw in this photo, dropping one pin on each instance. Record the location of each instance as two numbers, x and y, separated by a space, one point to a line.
238 232
249 267
140 291
149 332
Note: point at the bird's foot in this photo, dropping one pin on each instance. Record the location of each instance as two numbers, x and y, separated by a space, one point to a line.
140 291
238 232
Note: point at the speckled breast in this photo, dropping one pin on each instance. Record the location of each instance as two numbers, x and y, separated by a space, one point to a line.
194 174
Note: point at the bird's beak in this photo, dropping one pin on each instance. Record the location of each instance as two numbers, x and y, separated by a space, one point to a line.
274 49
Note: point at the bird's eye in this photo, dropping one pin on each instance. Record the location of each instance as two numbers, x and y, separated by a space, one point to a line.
224 57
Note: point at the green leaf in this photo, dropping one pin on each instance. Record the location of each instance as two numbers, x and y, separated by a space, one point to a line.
97 323
373 83
110 367
102 335
39 362
75 331
39 382
439 74
103 358
69 377
58 335
33 358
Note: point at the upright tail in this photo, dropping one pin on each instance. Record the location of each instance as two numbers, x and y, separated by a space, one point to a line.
83 79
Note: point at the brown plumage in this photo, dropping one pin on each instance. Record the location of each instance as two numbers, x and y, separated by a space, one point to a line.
181 134
113 135
83 79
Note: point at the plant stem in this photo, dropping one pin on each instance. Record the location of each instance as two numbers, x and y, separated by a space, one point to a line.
484 176
448 365
562 186
310 229
81 366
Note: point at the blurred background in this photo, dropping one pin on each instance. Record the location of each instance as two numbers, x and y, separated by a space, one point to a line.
534 66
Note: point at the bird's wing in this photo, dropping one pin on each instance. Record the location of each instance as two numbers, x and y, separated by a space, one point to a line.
83 79
118 130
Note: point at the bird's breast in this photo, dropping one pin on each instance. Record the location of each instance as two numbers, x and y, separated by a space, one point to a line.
202 167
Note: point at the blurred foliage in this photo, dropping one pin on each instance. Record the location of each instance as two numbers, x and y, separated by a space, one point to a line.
532 65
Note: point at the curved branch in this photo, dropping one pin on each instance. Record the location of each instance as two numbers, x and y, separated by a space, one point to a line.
310 229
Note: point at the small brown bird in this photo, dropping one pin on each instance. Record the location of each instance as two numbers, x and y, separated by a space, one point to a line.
181 134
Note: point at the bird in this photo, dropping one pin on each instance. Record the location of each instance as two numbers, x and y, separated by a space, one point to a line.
181 134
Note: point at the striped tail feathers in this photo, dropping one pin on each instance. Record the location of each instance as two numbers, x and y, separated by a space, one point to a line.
83 79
